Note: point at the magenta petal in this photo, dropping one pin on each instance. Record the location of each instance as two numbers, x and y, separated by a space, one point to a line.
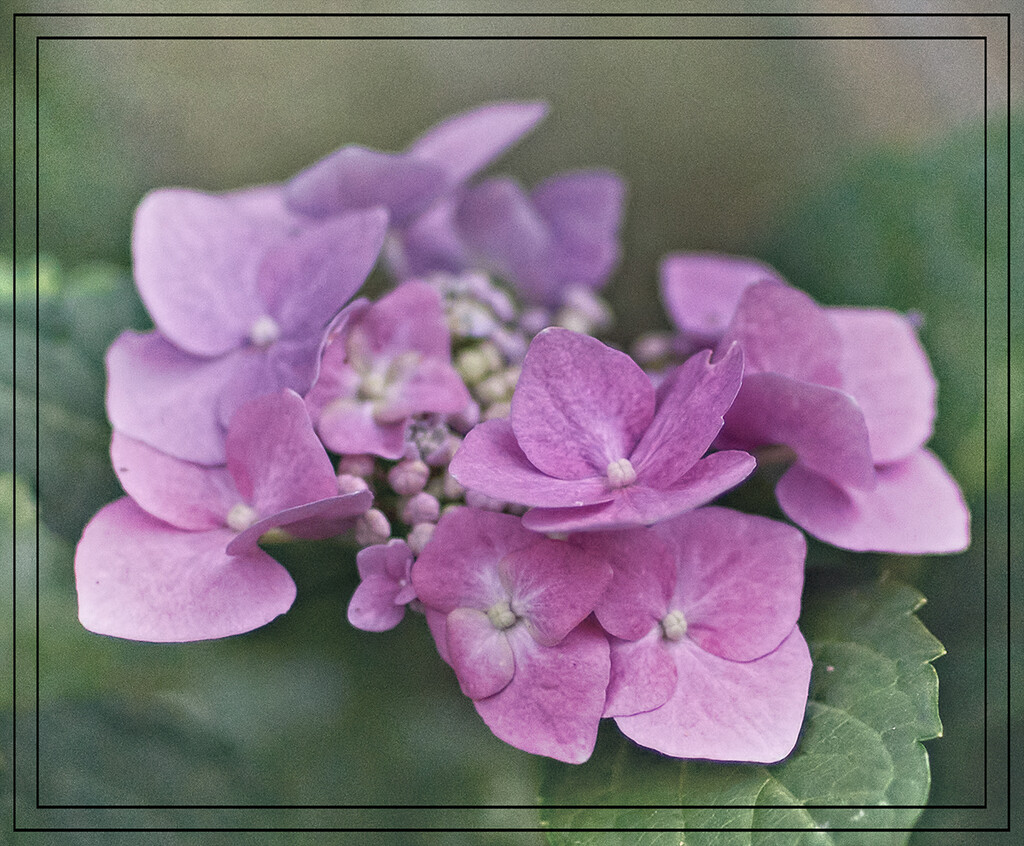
305 280
701 291
325 518
490 461
480 654
726 710
555 700
142 579
195 260
643 675
643 578
579 405
916 507
375 605
357 178
459 567
166 398
184 494
782 330
638 505
688 416
740 580
553 586
822 425
887 371
468 142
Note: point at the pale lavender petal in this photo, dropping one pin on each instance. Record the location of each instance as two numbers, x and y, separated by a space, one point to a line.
740 580
348 427
428 244
688 416
579 405
643 675
916 507
727 710
459 567
468 142
553 586
555 700
782 330
325 518
184 494
701 291
643 578
480 654
490 461
887 371
265 202
167 398
357 178
306 279
409 319
822 425
373 607
142 579
195 259
275 457
638 505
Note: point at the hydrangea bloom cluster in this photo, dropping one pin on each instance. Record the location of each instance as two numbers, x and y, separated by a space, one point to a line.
537 496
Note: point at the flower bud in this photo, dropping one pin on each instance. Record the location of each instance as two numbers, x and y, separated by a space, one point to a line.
372 528
421 508
356 465
419 537
347 483
408 477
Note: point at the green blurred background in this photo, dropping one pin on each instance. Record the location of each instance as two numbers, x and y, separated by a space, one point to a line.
855 166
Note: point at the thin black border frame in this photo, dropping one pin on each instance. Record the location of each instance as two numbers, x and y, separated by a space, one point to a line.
515 15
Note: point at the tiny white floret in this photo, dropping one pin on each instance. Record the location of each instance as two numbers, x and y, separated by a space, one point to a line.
620 473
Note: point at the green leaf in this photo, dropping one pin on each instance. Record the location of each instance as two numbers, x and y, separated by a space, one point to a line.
873 698
78 316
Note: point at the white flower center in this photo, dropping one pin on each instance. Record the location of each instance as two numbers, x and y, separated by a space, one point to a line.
264 331
501 615
620 473
241 516
674 625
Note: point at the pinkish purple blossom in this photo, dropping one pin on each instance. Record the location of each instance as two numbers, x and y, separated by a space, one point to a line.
178 558
590 445
850 391
561 236
378 604
707 661
384 364
241 297
507 608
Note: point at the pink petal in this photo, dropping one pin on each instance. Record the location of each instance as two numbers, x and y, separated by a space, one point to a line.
579 405
468 142
459 567
490 461
373 607
275 457
306 279
325 518
726 710
433 387
195 260
142 579
410 318
643 675
887 371
822 425
184 494
480 654
555 700
740 580
166 398
701 291
391 560
916 507
348 427
638 505
688 416
553 586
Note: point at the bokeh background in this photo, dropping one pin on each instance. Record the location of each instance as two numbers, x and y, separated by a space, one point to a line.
856 166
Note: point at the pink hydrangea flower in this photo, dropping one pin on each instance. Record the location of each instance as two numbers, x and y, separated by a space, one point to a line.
178 559
707 661
383 364
378 604
591 445
241 296
850 391
507 609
